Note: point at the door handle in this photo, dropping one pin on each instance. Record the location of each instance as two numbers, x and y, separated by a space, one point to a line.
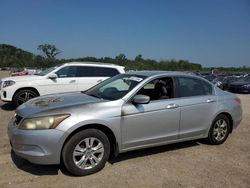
210 100
171 106
72 81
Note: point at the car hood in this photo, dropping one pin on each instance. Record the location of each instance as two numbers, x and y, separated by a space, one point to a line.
23 78
52 102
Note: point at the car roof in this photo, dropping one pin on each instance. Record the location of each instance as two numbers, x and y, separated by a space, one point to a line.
93 63
155 73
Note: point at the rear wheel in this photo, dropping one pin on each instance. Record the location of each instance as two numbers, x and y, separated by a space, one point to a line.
23 96
86 152
219 130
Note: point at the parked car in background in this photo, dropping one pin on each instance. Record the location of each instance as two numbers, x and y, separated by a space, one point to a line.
31 71
126 112
18 72
224 82
240 86
65 78
218 81
209 77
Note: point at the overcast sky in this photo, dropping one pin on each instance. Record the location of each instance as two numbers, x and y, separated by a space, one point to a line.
209 32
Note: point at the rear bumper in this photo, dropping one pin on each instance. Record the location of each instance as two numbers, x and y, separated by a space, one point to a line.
237 116
236 124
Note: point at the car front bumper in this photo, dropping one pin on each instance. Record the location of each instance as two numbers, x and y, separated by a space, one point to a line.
5 95
36 146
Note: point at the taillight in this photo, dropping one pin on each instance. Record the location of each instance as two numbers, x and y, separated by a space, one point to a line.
237 99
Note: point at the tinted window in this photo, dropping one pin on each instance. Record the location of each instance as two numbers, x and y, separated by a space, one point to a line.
66 72
193 87
87 71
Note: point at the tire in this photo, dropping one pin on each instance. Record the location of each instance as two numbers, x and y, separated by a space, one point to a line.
219 130
79 162
23 96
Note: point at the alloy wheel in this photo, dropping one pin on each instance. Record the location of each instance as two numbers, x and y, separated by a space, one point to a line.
88 153
24 97
220 129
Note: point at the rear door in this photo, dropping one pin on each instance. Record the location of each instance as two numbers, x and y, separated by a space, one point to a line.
88 76
198 106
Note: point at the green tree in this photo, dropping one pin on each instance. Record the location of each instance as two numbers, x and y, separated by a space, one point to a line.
138 58
49 50
121 59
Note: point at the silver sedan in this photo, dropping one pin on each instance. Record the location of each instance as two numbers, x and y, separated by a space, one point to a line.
127 112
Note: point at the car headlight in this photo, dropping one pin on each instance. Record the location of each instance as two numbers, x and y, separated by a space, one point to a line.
8 83
47 122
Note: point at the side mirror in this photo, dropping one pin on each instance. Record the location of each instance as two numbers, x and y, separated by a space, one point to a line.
53 76
141 99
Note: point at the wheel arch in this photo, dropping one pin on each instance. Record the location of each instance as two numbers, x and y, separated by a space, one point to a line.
26 88
114 148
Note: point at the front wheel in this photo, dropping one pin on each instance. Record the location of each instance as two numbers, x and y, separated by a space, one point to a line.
219 130
23 96
86 152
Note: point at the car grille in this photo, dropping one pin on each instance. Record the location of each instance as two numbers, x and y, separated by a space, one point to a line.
18 119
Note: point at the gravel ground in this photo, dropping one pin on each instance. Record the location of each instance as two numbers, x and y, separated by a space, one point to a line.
189 164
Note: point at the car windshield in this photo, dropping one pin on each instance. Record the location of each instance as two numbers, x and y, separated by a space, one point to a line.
247 79
220 78
232 79
115 87
46 71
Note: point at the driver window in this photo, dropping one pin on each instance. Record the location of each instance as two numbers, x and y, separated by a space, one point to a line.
66 72
160 88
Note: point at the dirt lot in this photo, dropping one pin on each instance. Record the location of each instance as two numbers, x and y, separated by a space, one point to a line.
189 164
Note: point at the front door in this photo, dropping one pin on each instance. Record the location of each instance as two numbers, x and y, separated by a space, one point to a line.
156 122
66 81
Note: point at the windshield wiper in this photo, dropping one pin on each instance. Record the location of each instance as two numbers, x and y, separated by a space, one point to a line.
92 95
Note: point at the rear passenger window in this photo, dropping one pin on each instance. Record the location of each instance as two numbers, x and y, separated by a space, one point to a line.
87 71
193 87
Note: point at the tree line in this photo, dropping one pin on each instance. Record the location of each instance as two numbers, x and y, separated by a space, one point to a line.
11 56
